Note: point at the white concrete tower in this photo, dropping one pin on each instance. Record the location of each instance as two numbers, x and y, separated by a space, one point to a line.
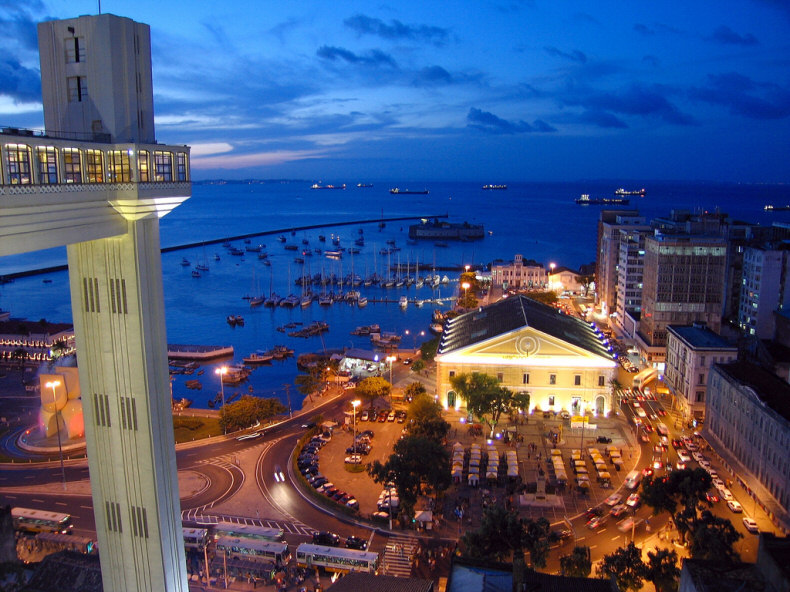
97 182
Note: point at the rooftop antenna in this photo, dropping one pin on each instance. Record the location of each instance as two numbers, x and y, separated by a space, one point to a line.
99 6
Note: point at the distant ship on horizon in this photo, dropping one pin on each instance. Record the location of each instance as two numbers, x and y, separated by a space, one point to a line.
318 186
585 200
494 187
398 191
623 191
364 185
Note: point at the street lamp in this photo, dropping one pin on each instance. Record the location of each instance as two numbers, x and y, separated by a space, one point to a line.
221 372
465 286
551 275
354 404
53 384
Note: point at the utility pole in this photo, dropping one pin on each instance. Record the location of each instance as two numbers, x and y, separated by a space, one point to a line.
288 395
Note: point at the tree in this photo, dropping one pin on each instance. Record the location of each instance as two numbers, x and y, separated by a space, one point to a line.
415 461
577 564
714 538
625 565
662 570
414 389
536 540
586 281
311 382
247 411
544 297
372 387
418 366
467 297
682 494
485 398
428 349
498 537
426 419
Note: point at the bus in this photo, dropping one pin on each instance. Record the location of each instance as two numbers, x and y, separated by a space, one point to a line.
632 479
28 520
645 376
250 531
68 542
336 559
253 549
195 539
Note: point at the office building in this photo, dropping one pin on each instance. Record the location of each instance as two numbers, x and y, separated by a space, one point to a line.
765 288
608 248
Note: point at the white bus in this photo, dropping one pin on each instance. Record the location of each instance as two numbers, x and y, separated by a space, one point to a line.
336 559
254 549
195 538
250 531
28 520
645 376
632 479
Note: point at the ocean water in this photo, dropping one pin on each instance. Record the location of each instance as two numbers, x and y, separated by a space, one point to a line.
538 220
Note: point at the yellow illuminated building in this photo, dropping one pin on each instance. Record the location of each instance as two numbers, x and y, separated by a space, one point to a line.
562 362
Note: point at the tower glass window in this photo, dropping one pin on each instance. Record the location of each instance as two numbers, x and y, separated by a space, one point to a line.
75 49
47 165
118 166
163 166
94 160
17 158
72 169
181 169
143 166
78 88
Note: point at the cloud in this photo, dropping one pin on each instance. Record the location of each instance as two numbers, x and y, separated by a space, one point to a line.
18 82
394 30
727 36
490 123
602 119
19 25
574 56
238 161
743 96
374 57
638 100
644 30
433 75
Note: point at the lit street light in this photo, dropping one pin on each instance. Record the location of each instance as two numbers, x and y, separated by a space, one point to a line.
53 384
354 404
390 359
221 372
465 286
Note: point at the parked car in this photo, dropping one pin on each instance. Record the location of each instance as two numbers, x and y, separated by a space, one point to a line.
603 440
391 416
354 459
364 415
751 525
735 506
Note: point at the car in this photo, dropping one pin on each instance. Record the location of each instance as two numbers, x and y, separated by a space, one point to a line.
250 436
391 416
328 539
363 416
680 465
636 404
735 506
658 464
596 522
565 415
648 428
560 535
279 476
319 481
633 370
613 499
684 456
712 497
661 412
647 471
751 525
677 444
718 484
593 512
653 416
355 542
407 361
713 474
324 486
658 449
383 416
633 500
353 503
367 434
726 494
618 510
644 438
354 459
308 425
705 464
603 440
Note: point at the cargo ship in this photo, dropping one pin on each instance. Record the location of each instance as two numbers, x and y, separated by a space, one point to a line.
398 191
623 191
585 200
494 187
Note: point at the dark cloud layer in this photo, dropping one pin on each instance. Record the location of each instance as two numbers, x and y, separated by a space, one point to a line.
18 82
743 96
574 56
374 57
395 30
490 123
727 36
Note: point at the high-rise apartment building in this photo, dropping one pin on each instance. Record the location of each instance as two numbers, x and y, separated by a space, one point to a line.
765 288
630 269
609 225
684 282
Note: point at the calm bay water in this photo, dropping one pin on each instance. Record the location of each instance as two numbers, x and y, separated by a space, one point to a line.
538 220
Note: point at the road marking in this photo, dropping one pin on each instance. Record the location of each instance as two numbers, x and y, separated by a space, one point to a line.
60 504
11 496
614 538
593 546
86 507
39 501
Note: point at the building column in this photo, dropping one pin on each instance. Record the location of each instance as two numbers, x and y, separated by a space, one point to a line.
119 324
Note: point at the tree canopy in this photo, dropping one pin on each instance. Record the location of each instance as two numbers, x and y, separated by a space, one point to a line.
626 566
372 387
503 535
416 463
247 411
577 564
681 493
426 418
486 399
714 539
662 570
548 297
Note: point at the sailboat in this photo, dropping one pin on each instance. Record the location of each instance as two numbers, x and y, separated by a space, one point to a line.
203 265
418 283
390 282
398 278
257 298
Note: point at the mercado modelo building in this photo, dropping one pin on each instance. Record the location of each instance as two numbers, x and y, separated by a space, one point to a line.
562 362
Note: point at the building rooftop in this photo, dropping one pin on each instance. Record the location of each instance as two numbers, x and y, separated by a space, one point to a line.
771 390
363 582
698 336
514 313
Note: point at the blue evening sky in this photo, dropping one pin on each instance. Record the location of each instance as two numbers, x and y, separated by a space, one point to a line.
485 90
